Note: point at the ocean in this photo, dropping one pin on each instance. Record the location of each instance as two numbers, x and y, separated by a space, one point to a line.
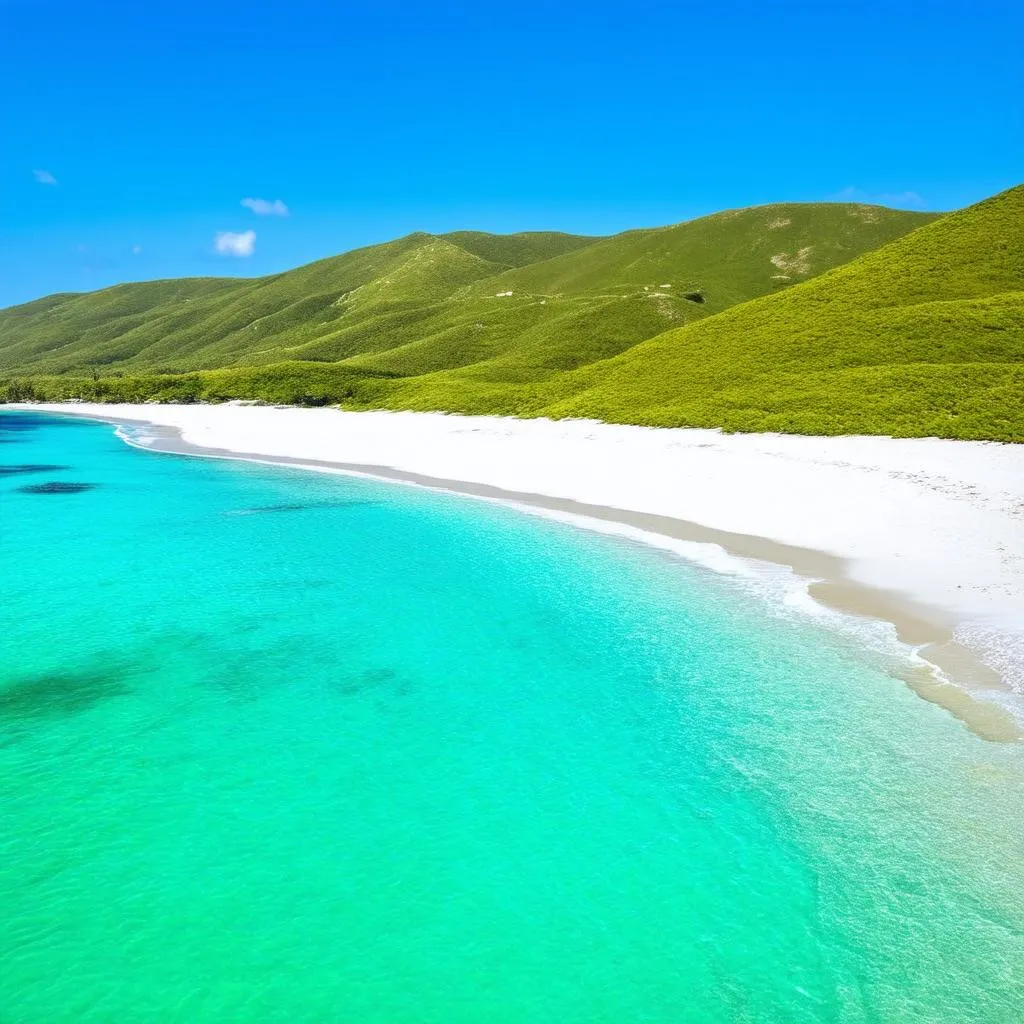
285 746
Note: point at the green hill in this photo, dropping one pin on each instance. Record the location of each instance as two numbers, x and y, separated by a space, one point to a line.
425 302
729 257
924 336
561 313
825 318
341 303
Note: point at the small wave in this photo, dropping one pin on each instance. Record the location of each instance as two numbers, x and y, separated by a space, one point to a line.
786 595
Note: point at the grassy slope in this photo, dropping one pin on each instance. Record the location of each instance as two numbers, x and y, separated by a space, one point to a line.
517 250
728 256
596 302
170 326
923 336
427 303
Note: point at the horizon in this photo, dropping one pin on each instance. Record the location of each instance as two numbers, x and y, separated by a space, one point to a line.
236 143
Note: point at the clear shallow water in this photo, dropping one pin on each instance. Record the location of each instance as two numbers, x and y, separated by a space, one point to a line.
279 746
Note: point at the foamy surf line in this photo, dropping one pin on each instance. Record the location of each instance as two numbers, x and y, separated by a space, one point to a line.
918 642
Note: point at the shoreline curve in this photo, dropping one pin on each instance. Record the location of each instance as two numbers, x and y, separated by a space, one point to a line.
949 674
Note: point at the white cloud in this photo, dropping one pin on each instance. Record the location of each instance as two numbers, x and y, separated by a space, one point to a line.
851 194
266 207
44 178
235 243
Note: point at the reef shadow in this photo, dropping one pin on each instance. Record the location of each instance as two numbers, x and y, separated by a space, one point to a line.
56 487
58 694
310 507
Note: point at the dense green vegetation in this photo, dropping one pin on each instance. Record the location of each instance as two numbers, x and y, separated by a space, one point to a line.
427 302
923 336
815 318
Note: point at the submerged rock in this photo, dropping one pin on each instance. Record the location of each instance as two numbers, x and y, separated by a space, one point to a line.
56 487
56 694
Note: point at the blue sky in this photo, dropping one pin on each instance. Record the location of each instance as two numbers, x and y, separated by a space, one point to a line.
132 132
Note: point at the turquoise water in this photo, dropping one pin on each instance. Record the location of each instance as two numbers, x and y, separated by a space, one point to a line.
280 746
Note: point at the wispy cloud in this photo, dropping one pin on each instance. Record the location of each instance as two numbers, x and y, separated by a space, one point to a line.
234 243
44 177
266 207
851 194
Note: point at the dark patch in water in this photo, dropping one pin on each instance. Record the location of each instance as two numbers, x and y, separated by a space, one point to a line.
22 422
31 467
19 423
57 694
57 487
266 508
259 509
371 679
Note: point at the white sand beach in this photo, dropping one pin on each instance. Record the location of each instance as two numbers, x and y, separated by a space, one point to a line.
927 534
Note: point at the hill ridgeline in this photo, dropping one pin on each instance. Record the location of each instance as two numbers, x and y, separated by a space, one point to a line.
811 318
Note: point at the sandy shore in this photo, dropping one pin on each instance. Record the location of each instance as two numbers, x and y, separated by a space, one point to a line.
925 534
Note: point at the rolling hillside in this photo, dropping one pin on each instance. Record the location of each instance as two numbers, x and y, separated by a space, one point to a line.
923 336
175 326
820 318
425 303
